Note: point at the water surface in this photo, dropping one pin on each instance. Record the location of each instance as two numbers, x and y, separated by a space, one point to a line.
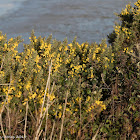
89 20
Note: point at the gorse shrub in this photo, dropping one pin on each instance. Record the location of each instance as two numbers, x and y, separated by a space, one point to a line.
56 90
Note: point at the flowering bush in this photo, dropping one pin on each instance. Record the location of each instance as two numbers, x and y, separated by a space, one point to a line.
56 90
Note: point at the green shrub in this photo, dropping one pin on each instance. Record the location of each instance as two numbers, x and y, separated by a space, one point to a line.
72 91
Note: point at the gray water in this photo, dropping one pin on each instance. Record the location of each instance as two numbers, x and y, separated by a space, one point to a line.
89 20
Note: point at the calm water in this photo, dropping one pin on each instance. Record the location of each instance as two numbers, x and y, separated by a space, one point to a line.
89 20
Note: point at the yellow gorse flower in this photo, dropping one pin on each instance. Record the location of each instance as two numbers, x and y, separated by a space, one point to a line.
1 38
37 59
2 73
25 101
117 29
18 58
88 99
60 114
18 95
28 85
100 103
51 96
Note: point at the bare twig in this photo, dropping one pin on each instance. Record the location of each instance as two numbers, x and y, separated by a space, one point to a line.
41 117
134 55
53 128
41 120
31 114
1 122
25 120
2 95
8 112
40 133
7 84
21 121
46 116
94 137
87 123
61 131
47 84
79 135
2 64
48 100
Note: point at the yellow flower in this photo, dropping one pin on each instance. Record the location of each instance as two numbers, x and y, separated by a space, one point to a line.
34 70
67 109
67 61
59 107
5 46
2 73
5 90
25 101
60 48
117 29
106 66
66 48
112 54
19 94
37 59
11 39
112 60
125 49
60 114
13 88
51 96
100 103
44 108
87 59
103 107
41 101
97 102
18 57
94 56
70 44
103 50
125 11
34 95
1 37
39 67
98 59
15 45
28 52
9 99
89 109
28 85
78 99
88 98
106 59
